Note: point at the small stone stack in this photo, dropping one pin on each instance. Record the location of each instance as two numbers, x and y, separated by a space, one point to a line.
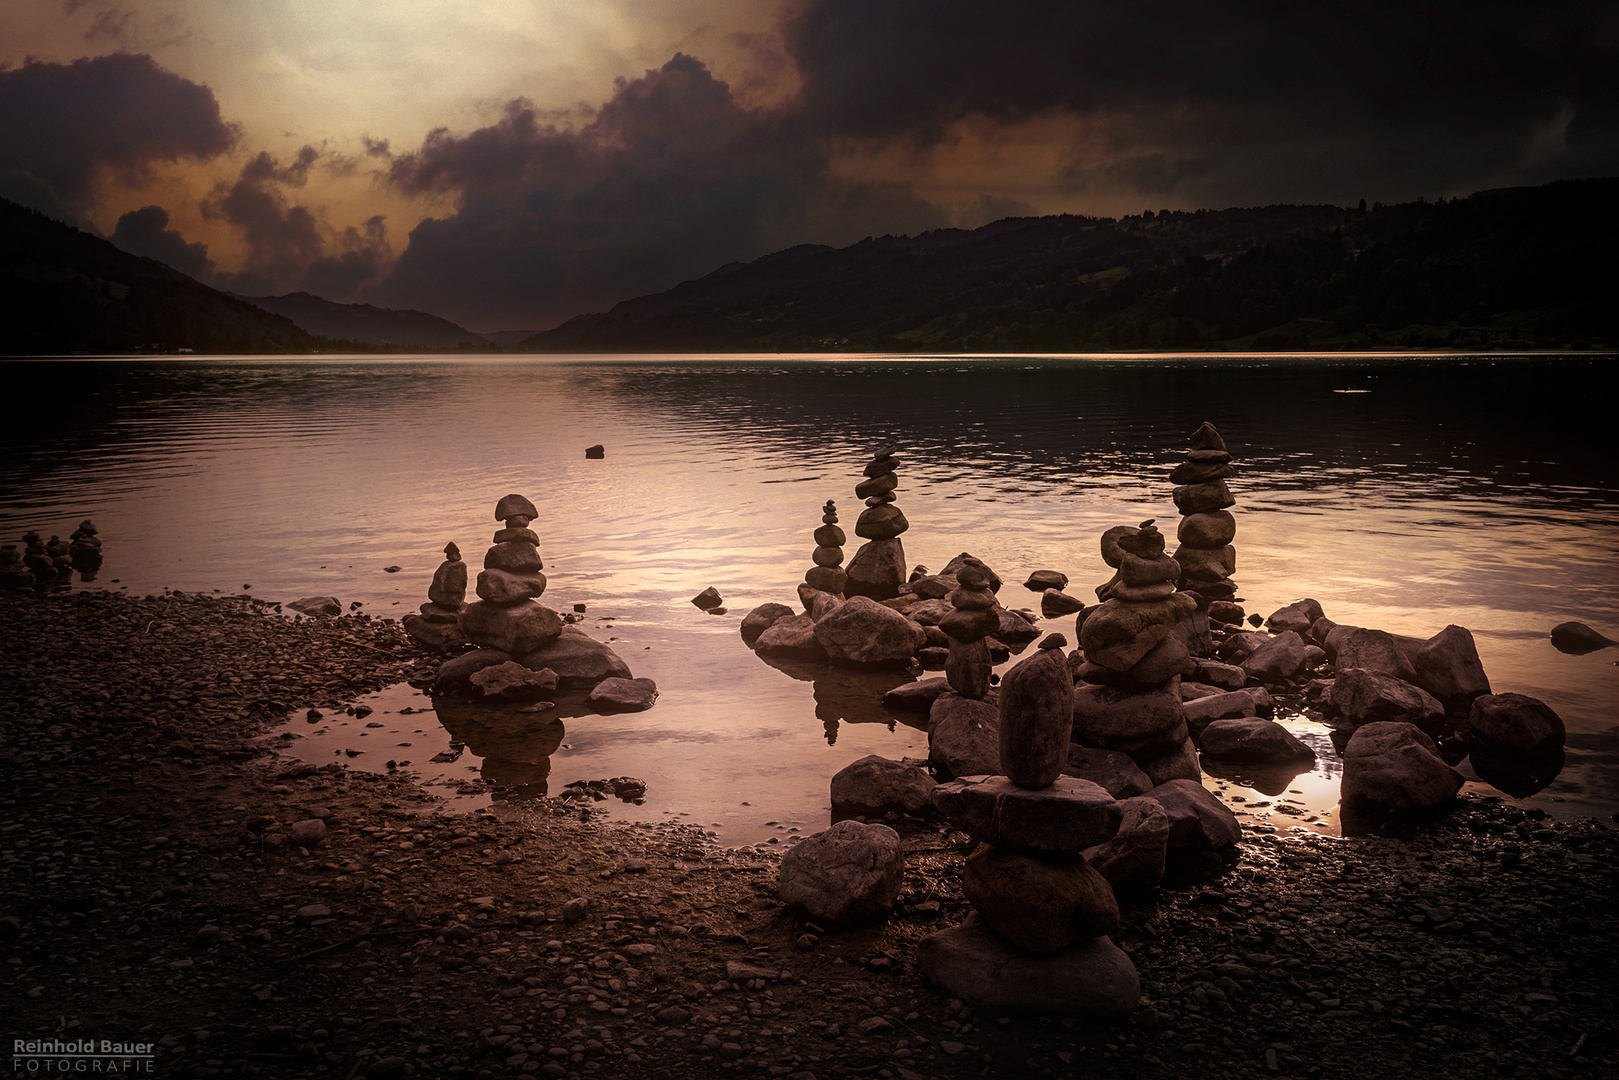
878 568
1037 938
61 554
968 666
84 547
1130 698
438 626
1206 555
35 557
14 573
506 616
827 574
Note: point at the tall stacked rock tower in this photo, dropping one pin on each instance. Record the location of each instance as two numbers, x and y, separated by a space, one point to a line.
506 617
968 666
827 574
1206 555
878 568
1037 937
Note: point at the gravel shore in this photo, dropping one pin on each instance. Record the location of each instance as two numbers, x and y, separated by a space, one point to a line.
153 889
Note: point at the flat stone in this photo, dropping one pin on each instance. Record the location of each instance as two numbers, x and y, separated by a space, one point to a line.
917 697
435 634
1200 712
1136 854
512 681
963 737
875 785
881 484
512 628
977 965
1225 676
792 636
317 606
850 873
1196 818
1142 723
579 660
760 619
515 556
505 587
1117 635
1197 472
620 695
1395 768
1036 718
863 632
522 534
1040 904
1260 741
455 675
1068 816
1115 771
1041 580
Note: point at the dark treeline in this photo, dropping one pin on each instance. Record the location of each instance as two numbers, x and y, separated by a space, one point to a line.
1525 267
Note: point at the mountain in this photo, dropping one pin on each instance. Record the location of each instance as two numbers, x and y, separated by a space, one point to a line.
366 324
65 291
1515 267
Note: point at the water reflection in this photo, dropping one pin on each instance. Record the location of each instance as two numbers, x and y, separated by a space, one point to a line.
848 695
1518 775
515 742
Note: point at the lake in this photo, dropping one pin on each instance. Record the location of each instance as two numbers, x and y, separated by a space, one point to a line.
1402 492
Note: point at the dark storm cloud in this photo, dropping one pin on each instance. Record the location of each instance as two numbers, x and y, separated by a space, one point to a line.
670 179
1191 93
288 246
63 126
146 232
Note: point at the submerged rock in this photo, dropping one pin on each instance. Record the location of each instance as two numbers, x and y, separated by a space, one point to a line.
1577 638
620 695
1514 724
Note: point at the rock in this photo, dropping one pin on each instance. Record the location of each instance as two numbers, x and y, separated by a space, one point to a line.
1200 712
1395 768
1136 854
1279 660
1163 662
1055 603
790 636
1448 667
317 606
882 522
1226 613
515 506
1180 763
307 833
579 660
1196 818
444 637
1298 617
514 556
1241 644
1116 772
449 587
847 874
455 676
973 963
1014 629
1068 816
917 697
828 579
1375 651
1514 723
873 785
984 576
1214 529
968 666
512 628
1039 904
595 453
1578 639
928 612
864 632
1042 580
970 624
505 587
1138 723
933 586
526 535
1202 498
877 570
1036 718
619 695
708 598
963 737
1366 697
512 681
1262 741
817 604
1117 635
760 619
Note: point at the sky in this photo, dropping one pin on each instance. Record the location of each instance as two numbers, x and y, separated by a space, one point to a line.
509 164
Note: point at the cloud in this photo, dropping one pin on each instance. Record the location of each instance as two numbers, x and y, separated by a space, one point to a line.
1243 97
146 232
671 178
69 127
289 245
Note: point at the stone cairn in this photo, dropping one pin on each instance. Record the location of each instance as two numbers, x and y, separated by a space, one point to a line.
878 568
84 548
1206 556
14 573
827 574
438 626
506 616
1037 938
1129 699
967 666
